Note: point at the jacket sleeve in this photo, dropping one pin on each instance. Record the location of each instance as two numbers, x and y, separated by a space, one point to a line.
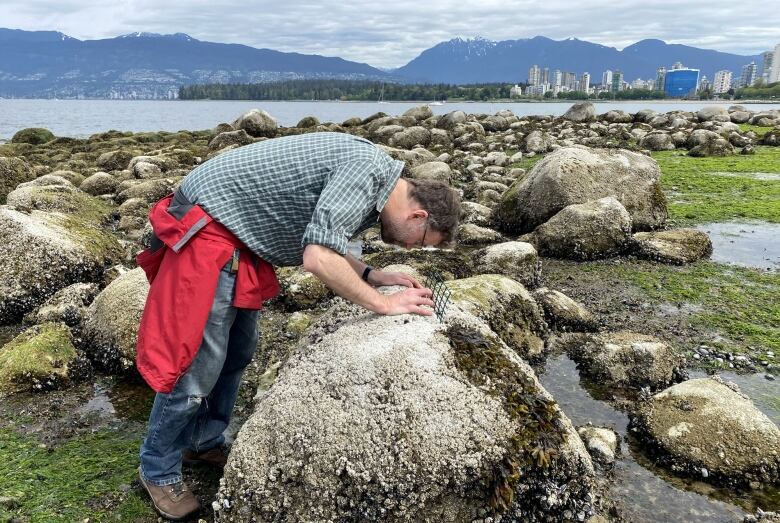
349 196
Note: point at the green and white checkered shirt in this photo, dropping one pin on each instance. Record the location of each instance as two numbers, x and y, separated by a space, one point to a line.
279 195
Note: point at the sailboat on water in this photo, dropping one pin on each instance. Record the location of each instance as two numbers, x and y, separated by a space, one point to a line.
382 95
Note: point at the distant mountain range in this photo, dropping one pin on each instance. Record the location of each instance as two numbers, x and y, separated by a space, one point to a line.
150 65
480 60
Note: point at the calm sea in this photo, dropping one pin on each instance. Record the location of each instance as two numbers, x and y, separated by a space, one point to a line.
81 118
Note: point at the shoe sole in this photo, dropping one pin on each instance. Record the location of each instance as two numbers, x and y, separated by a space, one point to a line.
162 512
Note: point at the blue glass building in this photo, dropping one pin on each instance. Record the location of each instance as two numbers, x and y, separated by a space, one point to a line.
680 83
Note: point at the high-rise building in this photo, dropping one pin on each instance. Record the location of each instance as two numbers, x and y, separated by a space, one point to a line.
722 82
748 76
585 83
569 81
534 75
659 79
704 83
774 75
545 76
556 81
677 65
606 79
766 65
617 81
681 82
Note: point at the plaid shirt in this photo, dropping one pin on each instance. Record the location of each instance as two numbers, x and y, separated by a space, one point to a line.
277 196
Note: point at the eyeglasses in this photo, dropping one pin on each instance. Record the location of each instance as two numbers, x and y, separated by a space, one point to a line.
422 243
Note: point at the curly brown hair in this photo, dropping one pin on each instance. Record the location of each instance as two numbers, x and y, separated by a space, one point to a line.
442 203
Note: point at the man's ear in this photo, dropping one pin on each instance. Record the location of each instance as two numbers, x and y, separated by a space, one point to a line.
419 213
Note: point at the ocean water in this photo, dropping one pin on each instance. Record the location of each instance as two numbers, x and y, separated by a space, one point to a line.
81 118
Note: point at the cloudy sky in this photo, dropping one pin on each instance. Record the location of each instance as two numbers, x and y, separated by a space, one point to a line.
389 33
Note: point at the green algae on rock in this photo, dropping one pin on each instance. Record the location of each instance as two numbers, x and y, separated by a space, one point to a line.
37 359
507 307
537 431
57 249
33 135
13 171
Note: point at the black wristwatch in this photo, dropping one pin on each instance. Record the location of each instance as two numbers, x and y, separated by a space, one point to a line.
365 273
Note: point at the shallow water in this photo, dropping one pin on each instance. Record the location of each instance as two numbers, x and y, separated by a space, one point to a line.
748 244
121 399
643 492
764 393
81 118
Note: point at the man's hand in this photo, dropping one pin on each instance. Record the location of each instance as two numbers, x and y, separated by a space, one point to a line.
379 278
339 275
409 301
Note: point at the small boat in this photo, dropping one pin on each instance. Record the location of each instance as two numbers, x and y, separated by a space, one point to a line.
382 95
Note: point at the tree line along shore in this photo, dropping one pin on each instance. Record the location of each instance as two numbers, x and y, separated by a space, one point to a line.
372 91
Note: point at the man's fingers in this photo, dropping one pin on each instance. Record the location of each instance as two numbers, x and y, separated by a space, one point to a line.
422 291
423 311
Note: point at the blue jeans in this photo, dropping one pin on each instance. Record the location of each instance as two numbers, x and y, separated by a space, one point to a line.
196 412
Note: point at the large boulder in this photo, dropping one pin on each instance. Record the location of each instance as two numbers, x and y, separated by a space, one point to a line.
307 122
476 213
432 171
470 234
40 358
149 190
66 306
581 112
626 359
713 147
236 138
44 252
563 313
708 429
586 231
301 289
572 175
769 138
657 141
517 260
714 113
411 136
677 246
114 160
13 171
33 135
381 418
58 196
257 122
420 113
450 120
112 320
99 183
538 142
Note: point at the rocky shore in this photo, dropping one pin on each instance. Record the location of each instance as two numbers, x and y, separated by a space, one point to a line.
350 416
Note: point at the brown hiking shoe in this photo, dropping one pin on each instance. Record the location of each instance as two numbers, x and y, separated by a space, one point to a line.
216 457
175 502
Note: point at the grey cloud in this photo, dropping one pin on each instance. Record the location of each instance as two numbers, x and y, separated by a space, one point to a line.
389 34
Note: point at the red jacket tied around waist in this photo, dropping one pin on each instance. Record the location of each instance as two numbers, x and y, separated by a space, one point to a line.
183 274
